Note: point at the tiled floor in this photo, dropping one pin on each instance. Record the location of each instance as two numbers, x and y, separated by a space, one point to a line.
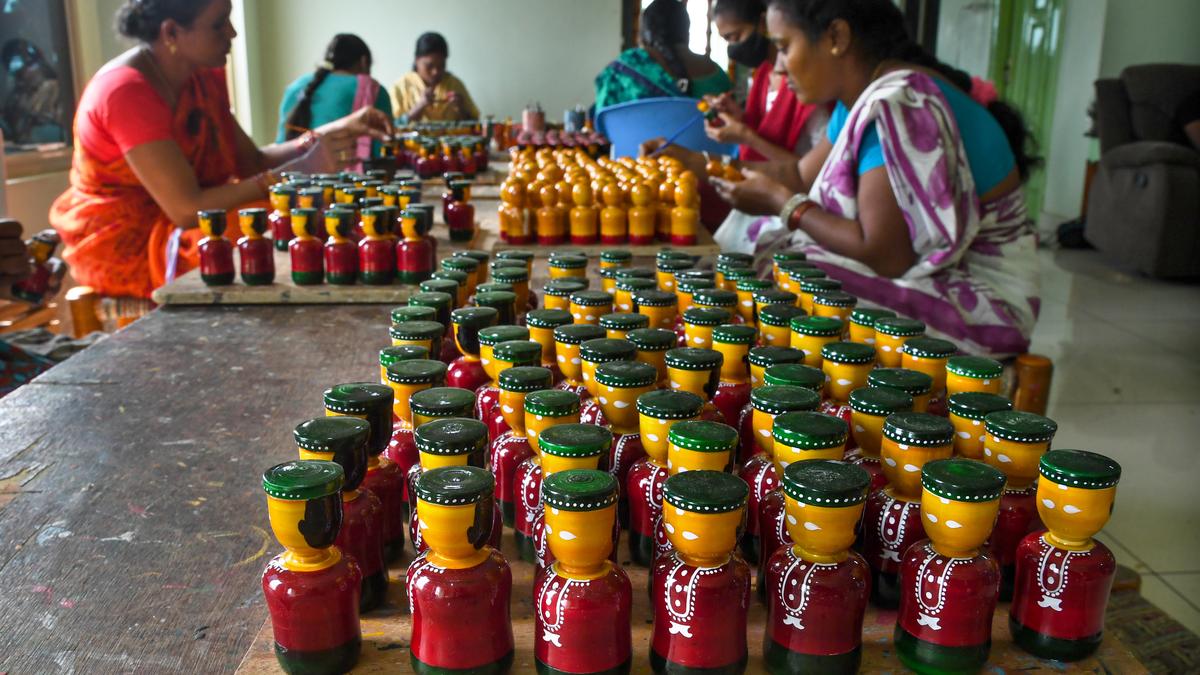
1126 352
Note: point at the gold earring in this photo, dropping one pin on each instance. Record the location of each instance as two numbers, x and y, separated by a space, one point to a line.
171 46
834 51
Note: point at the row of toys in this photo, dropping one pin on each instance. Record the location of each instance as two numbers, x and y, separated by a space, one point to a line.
552 196
371 232
430 157
839 450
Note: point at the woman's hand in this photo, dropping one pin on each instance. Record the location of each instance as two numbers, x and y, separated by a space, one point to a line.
732 132
724 104
338 140
692 160
757 195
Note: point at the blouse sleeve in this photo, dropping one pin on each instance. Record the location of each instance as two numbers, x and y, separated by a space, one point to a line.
134 114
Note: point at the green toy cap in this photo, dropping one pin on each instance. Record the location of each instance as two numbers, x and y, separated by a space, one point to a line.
303 479
705 491
1079 468
451 436
579 490
915 428
454 485
962 480
823 482
575 440
809 430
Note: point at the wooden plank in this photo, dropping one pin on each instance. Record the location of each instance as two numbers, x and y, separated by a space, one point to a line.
387 633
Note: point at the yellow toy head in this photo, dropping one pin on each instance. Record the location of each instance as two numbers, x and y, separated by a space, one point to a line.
1075 495
703 514
305 506
824 501
580 507
454 514
960 499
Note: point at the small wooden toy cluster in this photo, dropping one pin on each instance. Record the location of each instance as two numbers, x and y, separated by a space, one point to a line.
734 427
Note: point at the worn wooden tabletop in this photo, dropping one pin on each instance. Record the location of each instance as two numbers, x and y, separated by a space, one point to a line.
133 529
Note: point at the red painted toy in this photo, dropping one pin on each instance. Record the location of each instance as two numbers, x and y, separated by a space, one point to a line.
341 255
254 251
283 198
466 372
305 249
376 252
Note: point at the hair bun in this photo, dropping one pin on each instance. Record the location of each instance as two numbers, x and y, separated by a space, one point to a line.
141 19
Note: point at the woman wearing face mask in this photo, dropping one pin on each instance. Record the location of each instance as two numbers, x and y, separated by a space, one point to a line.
914 199
429 91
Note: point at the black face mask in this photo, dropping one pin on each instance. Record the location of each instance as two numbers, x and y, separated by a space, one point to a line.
750 52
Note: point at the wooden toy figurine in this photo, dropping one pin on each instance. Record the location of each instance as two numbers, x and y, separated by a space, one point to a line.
733 343
459 590
544 408
460 214
614 228
766 403
255 255
414 251
666 202
869 408
486 395
283 198
893 515
818 588
862 324
425 405
344 440
967 410
973 373
305 249
551 230
685 216
912 382
652 345
395 354
511 447
466 372
448 194
376 252
216 252
582 602
564 447
658 411
1064 575
513 220
592 353
450 441
1015 442
701 591
891 332
660 307
811 333
619 384
541 324
567 342
642 215
698 371
846 366
949 583
311 589
341 255
585 226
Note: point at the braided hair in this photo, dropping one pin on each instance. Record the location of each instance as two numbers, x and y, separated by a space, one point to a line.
880 34
664 28
345 50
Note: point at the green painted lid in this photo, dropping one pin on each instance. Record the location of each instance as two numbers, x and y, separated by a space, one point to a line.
819 326
514 263
795 374
575 440
750 284
516 254
626 374
818 285
916 428
666 404
633 284
734 334
548 318
552 402
797 273
1079 468
779 315
283 189
578 333
788 256
358 398
824 482
774 296
635 273
451 436
834 299
303 479
929 348
735 259
707 275
579 490
567 262
439 301
738 273
615 255
417 330
1022 427
624 321
692 284
975 367
693 358
591 299
788 265
479 256
511 274
899 326
765 357
494 286
651 339
706 316
865 316
447 286
608 273
674 264
456 276
777 399
714 297
568 253
962 480
518 352
417 371
604 350
654 298
504 301
455 485
705 491
880 401
703 436
665 253
462 264
526 378
390 355
976 405
413 313
848 352
563 288
476 317
809 430
342 436
912 382
494 335
443 402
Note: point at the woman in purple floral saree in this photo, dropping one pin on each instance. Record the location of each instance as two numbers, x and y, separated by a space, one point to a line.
936 229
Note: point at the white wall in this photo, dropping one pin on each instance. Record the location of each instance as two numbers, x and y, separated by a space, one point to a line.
507 52
1150 31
